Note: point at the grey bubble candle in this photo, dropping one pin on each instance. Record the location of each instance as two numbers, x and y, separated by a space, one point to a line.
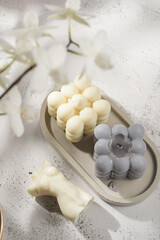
119 152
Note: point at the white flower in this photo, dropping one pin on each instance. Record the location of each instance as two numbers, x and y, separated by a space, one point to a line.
12 107
48 64
21 51
71 11
94 50
31 29
26 39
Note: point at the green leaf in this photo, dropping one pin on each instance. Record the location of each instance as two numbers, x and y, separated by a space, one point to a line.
79 20
2 114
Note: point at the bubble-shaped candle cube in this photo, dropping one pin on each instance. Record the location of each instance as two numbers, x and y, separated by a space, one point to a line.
119 152
78 108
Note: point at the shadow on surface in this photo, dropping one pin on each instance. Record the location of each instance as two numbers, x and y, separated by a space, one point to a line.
86 144
144 211
49 203
40 226
96 222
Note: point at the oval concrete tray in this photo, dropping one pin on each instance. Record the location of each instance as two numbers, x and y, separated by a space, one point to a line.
79 156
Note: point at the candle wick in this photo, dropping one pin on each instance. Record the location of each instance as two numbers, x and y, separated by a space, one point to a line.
120 146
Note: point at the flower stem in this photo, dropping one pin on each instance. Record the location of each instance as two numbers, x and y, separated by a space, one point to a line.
2 114
74 52
37 43
69 35
69 29
18 80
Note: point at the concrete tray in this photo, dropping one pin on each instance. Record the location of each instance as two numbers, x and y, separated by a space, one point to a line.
79 156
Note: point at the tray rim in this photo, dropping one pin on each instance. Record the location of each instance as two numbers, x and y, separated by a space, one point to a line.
84 175
1 221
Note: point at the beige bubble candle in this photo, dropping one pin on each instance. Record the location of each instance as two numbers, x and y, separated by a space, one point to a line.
78 108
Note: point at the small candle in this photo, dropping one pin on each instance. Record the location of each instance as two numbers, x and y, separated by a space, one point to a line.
82 100
119 153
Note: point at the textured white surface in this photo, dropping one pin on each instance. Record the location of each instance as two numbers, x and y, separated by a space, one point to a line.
134 82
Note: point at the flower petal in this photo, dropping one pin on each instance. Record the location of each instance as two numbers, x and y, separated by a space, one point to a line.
40 78
2 106
33 33
60 78
79 19
89 68
3 82
8 108
54 8
5 45
74 5
57 55
24 45
102 61
100 40
28 113
41 57
14 97
62 16
86 47
31 20
17 124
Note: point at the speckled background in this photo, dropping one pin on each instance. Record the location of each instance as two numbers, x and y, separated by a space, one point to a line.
133 28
